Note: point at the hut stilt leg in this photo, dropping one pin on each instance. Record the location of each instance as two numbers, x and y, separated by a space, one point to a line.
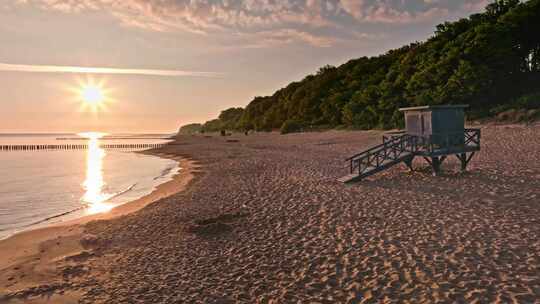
464 159
408 162
435 163
441 159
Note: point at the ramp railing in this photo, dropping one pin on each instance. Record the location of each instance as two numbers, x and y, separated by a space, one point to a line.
468 140
393 149
441 143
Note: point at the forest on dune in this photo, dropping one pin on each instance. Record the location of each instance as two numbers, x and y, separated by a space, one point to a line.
490 61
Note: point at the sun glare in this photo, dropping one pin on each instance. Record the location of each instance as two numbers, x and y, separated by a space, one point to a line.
92 94
94 184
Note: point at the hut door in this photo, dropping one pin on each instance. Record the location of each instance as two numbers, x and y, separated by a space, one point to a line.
422 128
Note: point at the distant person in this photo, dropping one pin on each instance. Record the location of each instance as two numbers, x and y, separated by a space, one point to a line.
223 133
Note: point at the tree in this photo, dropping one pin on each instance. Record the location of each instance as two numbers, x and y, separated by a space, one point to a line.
230 118
190 128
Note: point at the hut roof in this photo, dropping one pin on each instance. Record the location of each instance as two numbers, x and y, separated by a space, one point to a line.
434 107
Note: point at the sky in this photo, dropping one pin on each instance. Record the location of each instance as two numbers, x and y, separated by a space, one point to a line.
165 63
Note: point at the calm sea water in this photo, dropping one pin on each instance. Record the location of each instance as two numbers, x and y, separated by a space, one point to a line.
38 188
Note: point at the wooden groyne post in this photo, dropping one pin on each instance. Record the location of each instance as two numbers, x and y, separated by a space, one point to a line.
78 147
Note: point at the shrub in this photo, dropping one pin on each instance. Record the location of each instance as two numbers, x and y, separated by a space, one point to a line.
529 101
190 128
291 126
524 102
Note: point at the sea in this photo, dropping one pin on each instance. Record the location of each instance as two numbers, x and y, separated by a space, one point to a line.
43 187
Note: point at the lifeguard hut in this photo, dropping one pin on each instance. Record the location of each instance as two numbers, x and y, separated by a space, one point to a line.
431 132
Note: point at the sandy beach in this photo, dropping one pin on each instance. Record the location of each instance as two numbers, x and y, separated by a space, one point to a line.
262 219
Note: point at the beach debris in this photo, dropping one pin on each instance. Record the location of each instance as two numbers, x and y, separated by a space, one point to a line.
41 290
93 242
226 217
209 229
74 271
215 225
80 257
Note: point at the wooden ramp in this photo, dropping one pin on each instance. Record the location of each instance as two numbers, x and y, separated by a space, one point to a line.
391 152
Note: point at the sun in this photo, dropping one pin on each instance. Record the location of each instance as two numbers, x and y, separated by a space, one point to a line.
92 94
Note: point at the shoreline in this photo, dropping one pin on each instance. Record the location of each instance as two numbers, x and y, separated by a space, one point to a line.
29 258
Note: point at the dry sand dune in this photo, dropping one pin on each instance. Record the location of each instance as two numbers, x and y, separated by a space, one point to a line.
265 221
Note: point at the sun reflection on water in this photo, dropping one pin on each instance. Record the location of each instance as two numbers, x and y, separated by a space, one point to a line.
94 183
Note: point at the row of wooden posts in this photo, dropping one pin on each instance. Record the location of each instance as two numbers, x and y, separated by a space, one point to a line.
77 147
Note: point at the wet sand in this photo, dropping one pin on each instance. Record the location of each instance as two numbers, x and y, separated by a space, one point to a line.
267 222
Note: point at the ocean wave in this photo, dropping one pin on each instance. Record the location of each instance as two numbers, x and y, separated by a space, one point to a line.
54 216
165 172
117 194
85 206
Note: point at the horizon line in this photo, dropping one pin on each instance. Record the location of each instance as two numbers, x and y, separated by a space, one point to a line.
7 67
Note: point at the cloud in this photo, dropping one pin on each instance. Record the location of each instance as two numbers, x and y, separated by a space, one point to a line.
385 14
475 6
354 8
284 36
404 12
6 67
289 20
